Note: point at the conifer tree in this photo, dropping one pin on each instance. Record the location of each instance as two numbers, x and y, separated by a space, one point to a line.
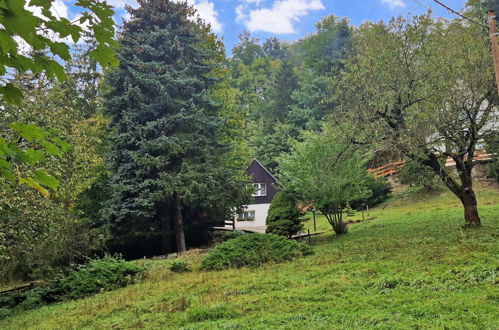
167 155
284 217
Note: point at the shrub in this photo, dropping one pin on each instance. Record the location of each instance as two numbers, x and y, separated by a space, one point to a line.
380 190
100 275
284 217
253 250
419 176
4 312
96 276
231 235
179 266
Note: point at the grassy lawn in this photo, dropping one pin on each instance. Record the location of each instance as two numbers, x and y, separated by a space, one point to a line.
413 266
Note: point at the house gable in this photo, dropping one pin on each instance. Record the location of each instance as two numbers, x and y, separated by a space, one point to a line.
259 174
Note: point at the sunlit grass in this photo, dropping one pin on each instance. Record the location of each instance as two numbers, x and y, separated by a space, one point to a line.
412 266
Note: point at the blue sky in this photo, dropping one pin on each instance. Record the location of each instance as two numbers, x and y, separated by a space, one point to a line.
286 19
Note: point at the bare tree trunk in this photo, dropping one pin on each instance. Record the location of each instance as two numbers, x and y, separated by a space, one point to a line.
463 191
178 224
334 216
165 234
342 227
470 208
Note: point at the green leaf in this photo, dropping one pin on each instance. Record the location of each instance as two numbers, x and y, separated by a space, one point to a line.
51 148
35 185
46 180
4 163
29 132
32 156
46 4
60 49
7 43
62 144
4 148
11 94
7 174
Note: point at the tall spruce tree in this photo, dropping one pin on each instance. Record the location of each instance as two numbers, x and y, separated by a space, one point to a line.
167 157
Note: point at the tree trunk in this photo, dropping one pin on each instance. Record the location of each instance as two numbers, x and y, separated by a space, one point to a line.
463 191
166 234
470 208
178 224
341 226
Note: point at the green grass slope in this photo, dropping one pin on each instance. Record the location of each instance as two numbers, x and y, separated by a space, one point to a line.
413 266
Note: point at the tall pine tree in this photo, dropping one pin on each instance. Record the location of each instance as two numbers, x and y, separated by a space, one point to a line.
167 158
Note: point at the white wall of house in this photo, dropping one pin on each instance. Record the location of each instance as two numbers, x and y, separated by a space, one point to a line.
261 211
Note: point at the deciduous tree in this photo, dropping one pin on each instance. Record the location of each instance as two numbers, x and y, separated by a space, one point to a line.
427 89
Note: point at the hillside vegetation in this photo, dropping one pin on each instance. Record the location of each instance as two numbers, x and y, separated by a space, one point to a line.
411 266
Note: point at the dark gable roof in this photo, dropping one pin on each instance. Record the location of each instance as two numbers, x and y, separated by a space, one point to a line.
259 174
261 165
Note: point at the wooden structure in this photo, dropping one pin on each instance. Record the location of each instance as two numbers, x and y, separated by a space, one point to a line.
481 155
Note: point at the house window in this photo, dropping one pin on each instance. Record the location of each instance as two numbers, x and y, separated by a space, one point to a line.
260 189
246 216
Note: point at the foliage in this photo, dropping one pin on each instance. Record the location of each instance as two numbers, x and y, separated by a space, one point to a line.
269 146
327 171
33 41
380 191
420 176
283 88
39 236
253 250
34 26
227 235
96 276
100 275
169 156
324 50
284 216
179 266
423 84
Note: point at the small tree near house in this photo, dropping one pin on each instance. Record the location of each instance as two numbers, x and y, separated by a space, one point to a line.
284 216
325 170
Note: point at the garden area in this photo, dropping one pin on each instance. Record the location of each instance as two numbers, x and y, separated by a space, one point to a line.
285 168
413 265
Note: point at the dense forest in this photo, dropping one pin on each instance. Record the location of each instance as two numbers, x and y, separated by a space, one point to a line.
142 151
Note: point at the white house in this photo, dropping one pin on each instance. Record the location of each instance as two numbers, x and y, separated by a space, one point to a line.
265 184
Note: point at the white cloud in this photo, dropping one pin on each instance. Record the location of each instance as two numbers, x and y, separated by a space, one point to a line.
394 3
280 18
206 10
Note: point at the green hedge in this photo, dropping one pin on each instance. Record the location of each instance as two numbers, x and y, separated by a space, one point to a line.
93 277
253 250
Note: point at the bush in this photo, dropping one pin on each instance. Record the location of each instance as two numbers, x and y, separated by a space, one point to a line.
253 250
100 275
284 217
380 190
231 235
179 266
419 176
96 276
4 312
